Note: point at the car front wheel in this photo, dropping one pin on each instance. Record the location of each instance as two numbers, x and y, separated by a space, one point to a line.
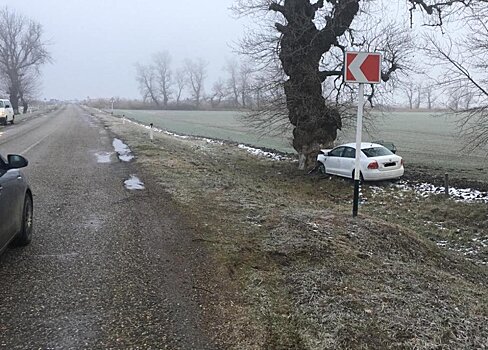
25 234
321 168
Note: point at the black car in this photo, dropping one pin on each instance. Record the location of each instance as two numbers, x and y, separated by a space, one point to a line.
16 207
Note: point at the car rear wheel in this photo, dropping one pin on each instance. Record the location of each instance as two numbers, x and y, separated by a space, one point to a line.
12 121
25 234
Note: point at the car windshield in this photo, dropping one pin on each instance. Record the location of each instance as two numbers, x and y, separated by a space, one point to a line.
376 152
1 104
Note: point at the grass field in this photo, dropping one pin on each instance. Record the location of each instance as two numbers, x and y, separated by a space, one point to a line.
223 125
423 139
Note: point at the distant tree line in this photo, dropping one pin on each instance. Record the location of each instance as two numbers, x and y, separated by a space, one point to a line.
163 86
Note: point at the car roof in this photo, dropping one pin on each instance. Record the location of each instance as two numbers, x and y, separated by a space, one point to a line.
364 145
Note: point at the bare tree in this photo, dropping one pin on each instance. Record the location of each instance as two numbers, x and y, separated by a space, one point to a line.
418 92
22 53
465 75
29 89
245 82
409 89
232 69
218 93
196 73
180 80
429 95
162 69
146 77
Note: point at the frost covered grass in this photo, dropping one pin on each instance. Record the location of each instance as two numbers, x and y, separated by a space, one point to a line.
290 269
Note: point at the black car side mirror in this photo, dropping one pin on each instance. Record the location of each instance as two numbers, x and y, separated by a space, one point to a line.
16 162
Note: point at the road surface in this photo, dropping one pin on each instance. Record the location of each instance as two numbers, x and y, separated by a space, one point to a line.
107 267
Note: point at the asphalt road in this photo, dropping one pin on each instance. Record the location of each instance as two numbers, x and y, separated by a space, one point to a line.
108 268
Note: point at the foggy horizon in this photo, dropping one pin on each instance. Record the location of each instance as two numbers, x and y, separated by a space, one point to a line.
95 44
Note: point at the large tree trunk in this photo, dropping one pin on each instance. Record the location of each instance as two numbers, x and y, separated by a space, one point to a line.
14 99
314 122
25 106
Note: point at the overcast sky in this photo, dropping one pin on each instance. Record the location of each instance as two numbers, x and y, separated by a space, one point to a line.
95 43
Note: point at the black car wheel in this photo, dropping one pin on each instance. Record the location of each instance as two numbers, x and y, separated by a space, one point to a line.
25 234
321 168
12 121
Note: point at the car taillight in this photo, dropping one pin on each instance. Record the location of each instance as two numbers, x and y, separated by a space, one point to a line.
402 162
373 165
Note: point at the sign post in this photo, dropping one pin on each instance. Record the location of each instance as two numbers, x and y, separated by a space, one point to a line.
362 68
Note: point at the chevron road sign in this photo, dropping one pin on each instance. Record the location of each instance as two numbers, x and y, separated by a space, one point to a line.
362 67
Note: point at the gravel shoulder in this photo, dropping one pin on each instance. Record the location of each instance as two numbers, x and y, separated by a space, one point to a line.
289 269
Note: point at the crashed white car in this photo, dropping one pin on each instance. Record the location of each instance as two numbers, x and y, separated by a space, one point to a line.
376 163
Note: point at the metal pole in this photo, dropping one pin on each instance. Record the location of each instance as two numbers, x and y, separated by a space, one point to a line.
357 171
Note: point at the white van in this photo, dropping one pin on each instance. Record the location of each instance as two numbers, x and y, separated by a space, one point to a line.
6 112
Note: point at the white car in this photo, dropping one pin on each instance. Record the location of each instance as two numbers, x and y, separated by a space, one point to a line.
6 112
376 162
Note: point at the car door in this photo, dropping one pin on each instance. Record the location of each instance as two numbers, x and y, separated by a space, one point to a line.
348 161
6 199
332 163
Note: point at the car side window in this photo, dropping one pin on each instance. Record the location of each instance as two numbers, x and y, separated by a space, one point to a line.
336 152
349 153
1 104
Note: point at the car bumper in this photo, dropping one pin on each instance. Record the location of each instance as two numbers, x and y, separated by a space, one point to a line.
383 175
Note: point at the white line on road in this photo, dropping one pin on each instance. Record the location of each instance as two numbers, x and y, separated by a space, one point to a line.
34 145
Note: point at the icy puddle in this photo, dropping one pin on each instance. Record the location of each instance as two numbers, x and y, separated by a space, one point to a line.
124 152
103 157
134 183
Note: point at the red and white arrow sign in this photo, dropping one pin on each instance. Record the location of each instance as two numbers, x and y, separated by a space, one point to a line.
362 67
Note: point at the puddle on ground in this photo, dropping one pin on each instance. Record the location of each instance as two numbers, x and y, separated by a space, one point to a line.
134 183
103 157
123 150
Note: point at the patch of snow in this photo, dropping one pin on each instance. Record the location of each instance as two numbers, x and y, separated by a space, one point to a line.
134 183
425 189
123 150
260 153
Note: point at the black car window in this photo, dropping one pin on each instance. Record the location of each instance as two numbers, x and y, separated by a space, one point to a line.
349 153
376 152
336 152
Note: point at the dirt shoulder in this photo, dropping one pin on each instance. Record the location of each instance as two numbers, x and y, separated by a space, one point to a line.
288 268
